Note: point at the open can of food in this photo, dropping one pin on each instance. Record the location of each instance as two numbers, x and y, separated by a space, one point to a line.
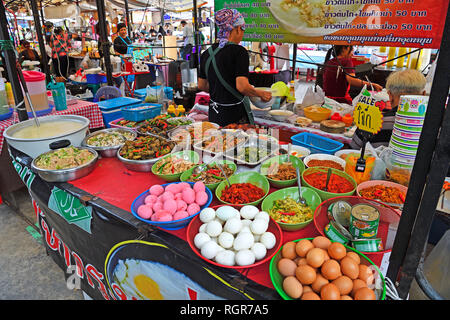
333 233
368 245
364 220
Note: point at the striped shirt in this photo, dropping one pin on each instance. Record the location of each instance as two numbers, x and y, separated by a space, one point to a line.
60 45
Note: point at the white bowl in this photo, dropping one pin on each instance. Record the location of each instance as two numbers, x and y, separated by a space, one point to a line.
323 156
262 104
348 151
280 115
297 151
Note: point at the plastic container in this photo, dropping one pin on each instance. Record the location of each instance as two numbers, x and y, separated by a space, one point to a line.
4 106
37 90
316 143
111 109
141 112
9 94
59 95
95 78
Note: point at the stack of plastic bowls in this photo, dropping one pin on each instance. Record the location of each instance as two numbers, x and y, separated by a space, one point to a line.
407 128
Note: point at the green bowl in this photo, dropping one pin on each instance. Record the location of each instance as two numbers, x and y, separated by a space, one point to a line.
328 195
296 162
277 278
212 186
312 199
188 154
245 177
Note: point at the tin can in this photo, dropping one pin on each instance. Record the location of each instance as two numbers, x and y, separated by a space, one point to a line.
333 233
330 211
364 220
368 245
341 212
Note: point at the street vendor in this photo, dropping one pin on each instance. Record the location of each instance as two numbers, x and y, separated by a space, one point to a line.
339 74
399 83
224 71
122 43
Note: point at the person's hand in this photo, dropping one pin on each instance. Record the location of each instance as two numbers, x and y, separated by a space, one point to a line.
377 87
265 95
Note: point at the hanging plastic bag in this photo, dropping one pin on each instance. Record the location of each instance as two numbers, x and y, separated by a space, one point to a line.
154 94
350 168
379 170
313 95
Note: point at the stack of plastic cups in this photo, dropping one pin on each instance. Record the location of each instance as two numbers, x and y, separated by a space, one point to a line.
407 129
59 95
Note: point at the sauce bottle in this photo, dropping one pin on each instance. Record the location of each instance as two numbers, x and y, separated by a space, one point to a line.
181 111
171 111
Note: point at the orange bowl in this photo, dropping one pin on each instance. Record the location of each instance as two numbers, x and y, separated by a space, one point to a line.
317 113
195 224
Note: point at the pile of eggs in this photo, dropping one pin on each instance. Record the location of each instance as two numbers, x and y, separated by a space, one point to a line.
324 270
175 201
234 237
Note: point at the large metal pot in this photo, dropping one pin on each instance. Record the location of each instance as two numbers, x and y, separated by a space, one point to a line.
35 147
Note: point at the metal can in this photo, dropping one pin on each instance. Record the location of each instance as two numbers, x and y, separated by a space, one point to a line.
330 211
333 233
368 245
341 212
364 220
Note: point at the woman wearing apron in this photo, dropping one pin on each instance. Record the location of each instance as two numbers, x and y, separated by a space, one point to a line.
224 73
122 46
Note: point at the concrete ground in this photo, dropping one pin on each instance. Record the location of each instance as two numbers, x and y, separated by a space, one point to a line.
27 272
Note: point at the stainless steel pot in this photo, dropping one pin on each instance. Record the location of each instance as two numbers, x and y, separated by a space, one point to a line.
35 147
65 175
110 151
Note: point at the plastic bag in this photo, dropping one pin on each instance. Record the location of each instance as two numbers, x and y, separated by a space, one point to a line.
154 94
312 96
336 107
350 168
378 172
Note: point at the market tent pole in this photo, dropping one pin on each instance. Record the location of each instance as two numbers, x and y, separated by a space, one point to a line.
127 17
427 177
196 38
294 60
10 63
104 42
42 11
38 27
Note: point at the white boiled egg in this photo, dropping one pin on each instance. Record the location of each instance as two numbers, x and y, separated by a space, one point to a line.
249 212
268 239
200 239
210 249
226 212
244 257
259 226
225 240
214 228
243 241
233 225
207 215
226 257
259 250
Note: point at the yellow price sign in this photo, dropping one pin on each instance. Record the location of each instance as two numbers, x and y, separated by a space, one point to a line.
368 117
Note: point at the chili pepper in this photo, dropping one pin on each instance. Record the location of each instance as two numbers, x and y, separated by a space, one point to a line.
284 221
378 193
173 169
217 177
402 197
288 213
162 166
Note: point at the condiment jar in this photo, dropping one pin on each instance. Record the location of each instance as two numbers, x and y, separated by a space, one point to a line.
171 111
181 111
347 119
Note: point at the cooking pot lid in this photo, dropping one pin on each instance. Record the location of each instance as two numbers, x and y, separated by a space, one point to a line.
33 76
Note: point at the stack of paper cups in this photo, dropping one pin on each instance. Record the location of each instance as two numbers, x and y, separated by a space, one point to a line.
408 127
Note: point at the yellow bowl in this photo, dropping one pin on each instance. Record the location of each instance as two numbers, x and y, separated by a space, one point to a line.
316 113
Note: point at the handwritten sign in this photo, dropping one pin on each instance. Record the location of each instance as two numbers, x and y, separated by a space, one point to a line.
367 115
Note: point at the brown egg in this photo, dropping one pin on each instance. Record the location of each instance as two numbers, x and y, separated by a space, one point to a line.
292 287
302 261
330 292
327 257
331 269
310 296
350 268
288 250
357 284
354 256
305 274
319 283
365 293
345 297
344 284
321 242
303 246
307 289
315 257
365 274
286 267
337 251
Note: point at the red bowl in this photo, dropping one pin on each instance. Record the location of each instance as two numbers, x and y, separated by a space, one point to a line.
195 224
387 229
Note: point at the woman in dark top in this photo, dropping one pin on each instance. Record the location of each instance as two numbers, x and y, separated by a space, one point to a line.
27 53
339 74
228 87
123 41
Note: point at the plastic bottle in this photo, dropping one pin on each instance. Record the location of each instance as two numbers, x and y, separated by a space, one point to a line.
9 94
391 55
292 91
181 112
401 61
4 106
171 111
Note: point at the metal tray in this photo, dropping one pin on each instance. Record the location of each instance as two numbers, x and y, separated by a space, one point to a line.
269 148
109 151
198 146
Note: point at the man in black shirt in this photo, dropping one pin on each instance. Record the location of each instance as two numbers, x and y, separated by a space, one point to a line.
229 86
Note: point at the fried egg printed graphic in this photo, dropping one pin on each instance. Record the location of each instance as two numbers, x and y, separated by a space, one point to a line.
155 281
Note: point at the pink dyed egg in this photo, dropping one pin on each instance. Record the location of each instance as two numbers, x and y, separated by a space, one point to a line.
179 196
181 205
193 208
201 198
180 215
167 196
157 206
199 186
184 185
156 190
162 215
145 211
188 196
170 206
150 199
174 188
